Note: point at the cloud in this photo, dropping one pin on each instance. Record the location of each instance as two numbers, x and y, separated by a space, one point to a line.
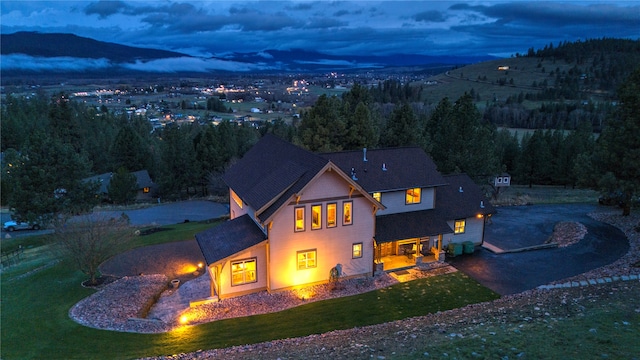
105 8
429 16
31 63
190 64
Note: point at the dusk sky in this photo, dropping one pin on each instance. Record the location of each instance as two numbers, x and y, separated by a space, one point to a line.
214 28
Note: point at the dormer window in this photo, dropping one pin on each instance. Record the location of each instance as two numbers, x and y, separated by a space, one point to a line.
413 196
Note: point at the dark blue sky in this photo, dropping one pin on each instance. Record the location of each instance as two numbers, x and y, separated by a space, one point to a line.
215 28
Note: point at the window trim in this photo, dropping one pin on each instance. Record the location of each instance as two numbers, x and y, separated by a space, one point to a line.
457 229
413 196
295 219
344 219
247 260
308 251
353 250
335 215
318 225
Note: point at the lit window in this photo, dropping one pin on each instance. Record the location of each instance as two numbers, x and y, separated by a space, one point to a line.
243 272
377 196
299 211
236 198
459 226
347 215
146 190
356 250
413 196
306 259
316 217
331 215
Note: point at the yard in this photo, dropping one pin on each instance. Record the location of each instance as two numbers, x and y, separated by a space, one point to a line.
36 300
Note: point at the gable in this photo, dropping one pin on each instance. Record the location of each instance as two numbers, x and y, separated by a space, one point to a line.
271 172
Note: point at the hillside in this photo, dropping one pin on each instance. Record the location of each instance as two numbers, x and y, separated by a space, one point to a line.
581 71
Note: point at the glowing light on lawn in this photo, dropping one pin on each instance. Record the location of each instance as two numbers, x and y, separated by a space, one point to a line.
305 294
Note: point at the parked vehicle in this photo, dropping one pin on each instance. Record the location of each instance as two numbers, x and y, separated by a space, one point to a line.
14 225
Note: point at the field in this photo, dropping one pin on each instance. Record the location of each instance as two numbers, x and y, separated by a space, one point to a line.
540 194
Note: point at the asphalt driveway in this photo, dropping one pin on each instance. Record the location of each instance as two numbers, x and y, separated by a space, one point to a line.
522 226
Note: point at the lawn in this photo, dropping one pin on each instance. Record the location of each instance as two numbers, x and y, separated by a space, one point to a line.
35 322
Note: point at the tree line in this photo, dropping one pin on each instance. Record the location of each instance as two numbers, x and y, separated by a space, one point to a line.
50 144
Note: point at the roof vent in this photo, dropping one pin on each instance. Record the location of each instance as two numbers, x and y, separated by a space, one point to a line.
353 174
481 204
384 167
460 189
364 154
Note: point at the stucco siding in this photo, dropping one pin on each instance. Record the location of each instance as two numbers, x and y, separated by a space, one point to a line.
259 253
332 245
474 228
395 201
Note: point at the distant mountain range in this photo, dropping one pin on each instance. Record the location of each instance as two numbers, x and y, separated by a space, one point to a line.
34 53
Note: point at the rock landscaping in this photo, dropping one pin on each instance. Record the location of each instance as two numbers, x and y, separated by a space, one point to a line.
116 308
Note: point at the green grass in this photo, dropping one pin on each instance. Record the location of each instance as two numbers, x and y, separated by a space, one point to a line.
604 330
35 322
540 194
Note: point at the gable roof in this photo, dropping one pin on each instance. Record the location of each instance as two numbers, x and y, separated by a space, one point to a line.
406 167
273 171
453 204
229 238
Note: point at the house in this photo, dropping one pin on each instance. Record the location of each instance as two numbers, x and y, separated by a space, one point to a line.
296 215
501 180
146 188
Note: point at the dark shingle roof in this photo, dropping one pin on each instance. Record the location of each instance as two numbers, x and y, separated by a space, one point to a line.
406 168
453 204
272 169
229 238
408 225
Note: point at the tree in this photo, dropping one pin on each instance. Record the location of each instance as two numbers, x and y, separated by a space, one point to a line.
89 240
402 128
616 157
123 187
46 181
322 128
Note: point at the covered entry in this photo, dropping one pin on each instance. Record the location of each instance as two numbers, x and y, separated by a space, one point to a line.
403 239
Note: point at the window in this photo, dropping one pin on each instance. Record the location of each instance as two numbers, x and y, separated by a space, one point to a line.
243 272
413 196
299 211
316 217
356 250
146 190
459 226
347 215
332 215
306 259
377 196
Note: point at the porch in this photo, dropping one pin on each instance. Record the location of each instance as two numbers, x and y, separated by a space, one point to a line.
393 255
395 262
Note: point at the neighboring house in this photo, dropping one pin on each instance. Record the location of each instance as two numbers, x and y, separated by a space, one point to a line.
146 188
295 215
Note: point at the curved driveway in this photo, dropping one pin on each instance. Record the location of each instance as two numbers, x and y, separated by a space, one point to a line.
522 226
173 213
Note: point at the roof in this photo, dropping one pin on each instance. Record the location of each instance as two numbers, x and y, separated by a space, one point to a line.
406 167
271 172
228 238
412 224
455 204
142 179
